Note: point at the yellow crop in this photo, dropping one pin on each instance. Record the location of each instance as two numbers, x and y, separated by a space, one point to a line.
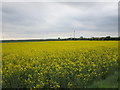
57 64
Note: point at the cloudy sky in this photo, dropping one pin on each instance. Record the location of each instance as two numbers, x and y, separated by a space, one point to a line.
53 19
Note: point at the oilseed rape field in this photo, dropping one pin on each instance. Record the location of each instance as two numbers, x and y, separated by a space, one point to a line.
57 64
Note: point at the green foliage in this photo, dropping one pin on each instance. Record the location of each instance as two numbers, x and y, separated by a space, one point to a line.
110 82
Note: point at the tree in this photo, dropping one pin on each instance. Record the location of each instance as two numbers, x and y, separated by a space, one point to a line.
108 38
58 38
81 37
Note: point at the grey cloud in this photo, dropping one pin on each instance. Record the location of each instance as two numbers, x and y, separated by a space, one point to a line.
54 19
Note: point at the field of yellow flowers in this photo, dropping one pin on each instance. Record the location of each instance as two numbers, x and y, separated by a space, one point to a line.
57 64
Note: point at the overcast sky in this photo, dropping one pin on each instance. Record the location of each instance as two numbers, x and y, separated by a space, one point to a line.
53 20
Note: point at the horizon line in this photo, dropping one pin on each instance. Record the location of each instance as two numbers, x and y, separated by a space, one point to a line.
56 38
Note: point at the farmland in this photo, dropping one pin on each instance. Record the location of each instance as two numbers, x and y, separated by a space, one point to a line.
57 64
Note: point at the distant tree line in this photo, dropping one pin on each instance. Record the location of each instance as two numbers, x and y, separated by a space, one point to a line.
59 39
94 38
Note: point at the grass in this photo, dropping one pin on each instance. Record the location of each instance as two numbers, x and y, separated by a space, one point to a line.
110 82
